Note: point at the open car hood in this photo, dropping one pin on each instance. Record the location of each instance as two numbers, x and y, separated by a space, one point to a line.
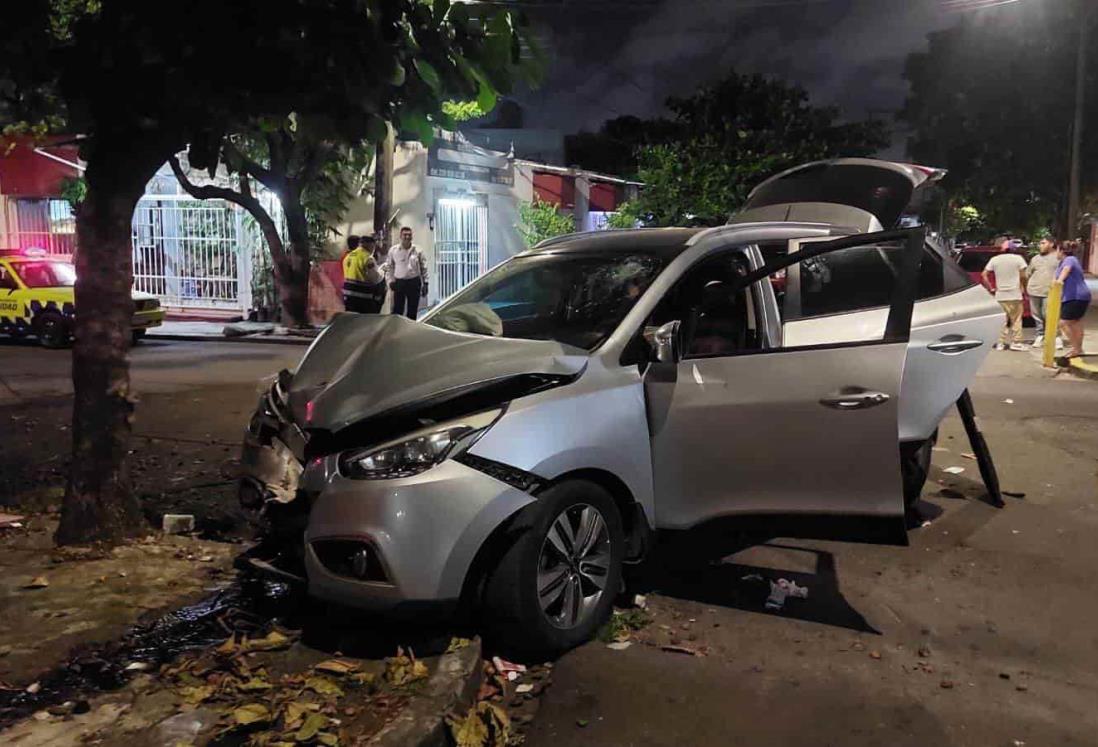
365 365
861 193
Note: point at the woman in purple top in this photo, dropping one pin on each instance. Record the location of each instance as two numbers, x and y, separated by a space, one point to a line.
1074 300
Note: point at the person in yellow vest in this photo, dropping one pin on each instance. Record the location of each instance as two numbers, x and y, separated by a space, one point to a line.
363 280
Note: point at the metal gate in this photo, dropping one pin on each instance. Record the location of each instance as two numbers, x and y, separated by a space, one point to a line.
191 253
461 243
45 224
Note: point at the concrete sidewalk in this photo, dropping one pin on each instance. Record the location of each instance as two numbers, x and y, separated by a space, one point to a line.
237 332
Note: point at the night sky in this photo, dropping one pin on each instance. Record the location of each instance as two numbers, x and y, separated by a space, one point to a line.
615 57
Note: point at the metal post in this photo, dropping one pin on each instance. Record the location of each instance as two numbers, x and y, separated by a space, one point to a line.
1077 126
1052 322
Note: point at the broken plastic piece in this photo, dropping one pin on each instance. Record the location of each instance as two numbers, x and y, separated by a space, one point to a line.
780 590
177 523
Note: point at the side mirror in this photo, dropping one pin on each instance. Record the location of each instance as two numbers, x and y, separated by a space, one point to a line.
668 342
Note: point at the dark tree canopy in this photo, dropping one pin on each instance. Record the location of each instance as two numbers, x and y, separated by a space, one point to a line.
991 99
699 164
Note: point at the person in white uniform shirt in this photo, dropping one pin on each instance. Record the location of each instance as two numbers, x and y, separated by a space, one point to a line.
407 270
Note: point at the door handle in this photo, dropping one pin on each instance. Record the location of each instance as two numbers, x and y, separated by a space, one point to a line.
855 400
955 346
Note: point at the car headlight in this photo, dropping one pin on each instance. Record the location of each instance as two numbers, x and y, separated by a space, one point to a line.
416 452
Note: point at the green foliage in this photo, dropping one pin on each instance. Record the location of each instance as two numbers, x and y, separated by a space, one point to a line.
73 190
463 111
991 99
699 166
623 623
627 216
540 220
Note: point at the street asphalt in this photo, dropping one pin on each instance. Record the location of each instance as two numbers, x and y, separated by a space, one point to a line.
28 371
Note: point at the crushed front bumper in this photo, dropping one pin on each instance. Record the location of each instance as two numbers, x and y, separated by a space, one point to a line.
380 544
373 544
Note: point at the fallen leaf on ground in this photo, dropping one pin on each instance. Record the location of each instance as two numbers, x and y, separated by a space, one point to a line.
271 642
314 723
38 582
967 455
470 731
255 683
197 694
253 713
674 649
485 725
336 666
403 669
323 686
456 644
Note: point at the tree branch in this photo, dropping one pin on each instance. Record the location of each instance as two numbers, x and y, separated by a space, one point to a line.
271 178
244 198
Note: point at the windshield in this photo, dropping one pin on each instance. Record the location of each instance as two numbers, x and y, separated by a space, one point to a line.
573 299
47 274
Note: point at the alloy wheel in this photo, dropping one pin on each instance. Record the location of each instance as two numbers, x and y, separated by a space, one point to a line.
573 565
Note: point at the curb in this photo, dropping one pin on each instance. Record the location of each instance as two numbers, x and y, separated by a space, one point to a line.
1085 370
453 687
263 339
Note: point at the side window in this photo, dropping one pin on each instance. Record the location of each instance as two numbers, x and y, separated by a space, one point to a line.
717 318
863 277
845 280
7 282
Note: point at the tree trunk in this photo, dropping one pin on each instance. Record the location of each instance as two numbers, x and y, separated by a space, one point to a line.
383 187
99 504
293 268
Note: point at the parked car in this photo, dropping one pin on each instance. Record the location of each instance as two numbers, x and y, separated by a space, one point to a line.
973 260
653 382
37 298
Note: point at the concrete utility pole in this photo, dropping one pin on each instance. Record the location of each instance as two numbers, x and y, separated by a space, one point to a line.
1077 125
383 186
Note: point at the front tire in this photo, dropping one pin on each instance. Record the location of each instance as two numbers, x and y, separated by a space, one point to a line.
555 585
136 336
51 330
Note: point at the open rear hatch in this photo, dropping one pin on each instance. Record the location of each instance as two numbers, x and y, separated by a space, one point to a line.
864 194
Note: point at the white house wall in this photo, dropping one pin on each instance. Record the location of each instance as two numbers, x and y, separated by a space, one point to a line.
414 198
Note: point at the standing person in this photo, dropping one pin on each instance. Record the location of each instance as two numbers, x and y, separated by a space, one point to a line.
407 272
1041 273
1009 271
363 282
1075 298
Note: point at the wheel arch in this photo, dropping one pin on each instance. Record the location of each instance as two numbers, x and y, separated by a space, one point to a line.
635 522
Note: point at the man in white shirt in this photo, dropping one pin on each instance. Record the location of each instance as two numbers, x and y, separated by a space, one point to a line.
1009 271
407 271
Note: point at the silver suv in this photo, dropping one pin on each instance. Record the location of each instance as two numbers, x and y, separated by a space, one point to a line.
529 435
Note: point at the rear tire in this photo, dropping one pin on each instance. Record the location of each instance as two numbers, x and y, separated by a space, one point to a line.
914 467
551 590
51 330
136 336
